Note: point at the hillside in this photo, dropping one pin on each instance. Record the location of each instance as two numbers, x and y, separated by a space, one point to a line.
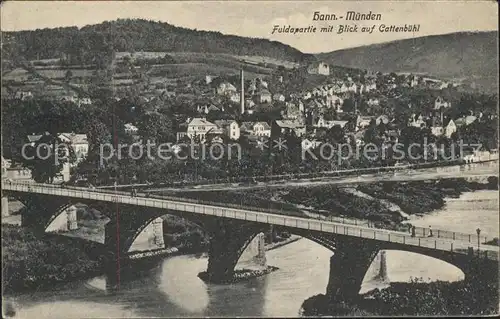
466 55
136 35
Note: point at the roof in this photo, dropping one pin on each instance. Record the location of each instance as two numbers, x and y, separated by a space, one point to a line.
6 162
130 126
366 118
213 108
248 126
466 120
317 63
264 91
383 118
34 138
340 123
360 134
75 138
392 133
223 123
227 86
216 131
200 122
288 124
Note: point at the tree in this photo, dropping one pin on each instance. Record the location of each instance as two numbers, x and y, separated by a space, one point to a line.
349 105
156 127
46 158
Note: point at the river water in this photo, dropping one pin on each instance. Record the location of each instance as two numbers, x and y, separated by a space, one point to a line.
173 288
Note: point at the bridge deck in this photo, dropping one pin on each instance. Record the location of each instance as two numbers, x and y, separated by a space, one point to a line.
218 209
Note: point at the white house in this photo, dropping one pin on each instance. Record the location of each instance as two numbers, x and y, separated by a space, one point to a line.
450 129
319 68
353 87
230 128
416 121
278 97
197 127
78 142
225 88
382 119
263 96
309 144
363 121
131 129
256 128
334 101
465 121
249 104
84 101
235 97
437 130
23 95
373 102
440 103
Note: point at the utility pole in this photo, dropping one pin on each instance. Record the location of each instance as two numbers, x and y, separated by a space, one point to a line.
478 231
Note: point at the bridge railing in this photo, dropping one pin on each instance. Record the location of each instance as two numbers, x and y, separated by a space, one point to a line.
244 213
419 231
282 209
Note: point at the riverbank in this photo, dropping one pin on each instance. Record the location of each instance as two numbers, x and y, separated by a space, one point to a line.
38 261
34 262
371 202
468 297
289 240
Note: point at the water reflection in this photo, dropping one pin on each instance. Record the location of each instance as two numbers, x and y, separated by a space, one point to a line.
172 288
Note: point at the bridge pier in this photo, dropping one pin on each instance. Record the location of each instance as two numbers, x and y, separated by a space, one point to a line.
5 206
228 240
348 266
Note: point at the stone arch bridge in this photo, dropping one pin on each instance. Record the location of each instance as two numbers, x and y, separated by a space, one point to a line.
232 228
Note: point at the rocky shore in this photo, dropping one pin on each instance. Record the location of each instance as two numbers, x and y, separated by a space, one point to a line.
240 275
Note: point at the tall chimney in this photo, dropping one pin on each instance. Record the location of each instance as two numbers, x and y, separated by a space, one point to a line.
242 94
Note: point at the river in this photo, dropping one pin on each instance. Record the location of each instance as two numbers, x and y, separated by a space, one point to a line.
173 288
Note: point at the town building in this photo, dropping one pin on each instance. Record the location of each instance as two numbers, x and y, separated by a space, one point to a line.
78 142
441 103
131 129
289 126
256 128
230 128
196 128
382 119
263 96
450 128
465 120
319 68
226 88
363 121
15 172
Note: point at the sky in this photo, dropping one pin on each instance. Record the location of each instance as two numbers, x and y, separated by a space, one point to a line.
257 18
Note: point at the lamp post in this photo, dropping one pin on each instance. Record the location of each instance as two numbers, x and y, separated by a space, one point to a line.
478 231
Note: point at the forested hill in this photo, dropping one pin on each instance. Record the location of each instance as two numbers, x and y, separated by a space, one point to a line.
137 35
470 55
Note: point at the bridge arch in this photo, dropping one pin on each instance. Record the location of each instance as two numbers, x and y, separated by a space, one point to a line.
148 221
402 266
